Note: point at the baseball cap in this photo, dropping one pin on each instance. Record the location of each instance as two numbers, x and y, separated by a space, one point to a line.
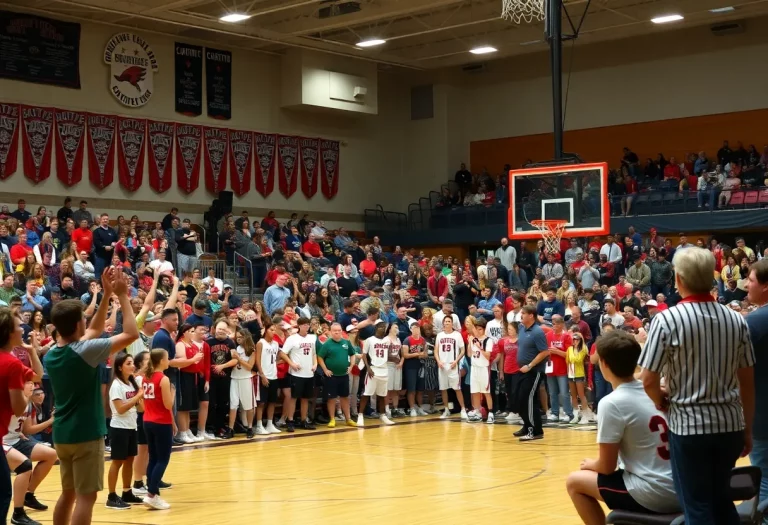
149 317
351 328
227 285
388 282
378 321
652 303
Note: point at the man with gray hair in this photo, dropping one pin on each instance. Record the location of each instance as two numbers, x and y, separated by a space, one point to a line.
705 354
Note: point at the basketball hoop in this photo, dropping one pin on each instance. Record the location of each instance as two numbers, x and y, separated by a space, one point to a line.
551 232
522 10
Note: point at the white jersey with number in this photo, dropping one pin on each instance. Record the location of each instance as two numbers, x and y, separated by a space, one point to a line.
301 350
394 350
475 354
238 372
15 427
269 358
628 416
448 346
377 351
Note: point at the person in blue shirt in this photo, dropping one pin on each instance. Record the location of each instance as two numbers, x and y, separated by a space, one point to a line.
549 307
198 317
637 239
277 295
387 314
293 241
31 301
486 304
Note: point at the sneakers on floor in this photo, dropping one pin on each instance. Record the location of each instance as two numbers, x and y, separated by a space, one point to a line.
139 489
31 502
551 416
385 420
413 413
574 420
360 421
332 423
446 414
164 485
260 430
271 428
513 418
565 418
249 432
21 518
156 503
130 498
115 502
420 411
530 436
308 425
464 415
350 423
490 419
474 417
585 420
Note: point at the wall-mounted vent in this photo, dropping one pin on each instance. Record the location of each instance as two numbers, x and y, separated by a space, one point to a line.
727 28
474 68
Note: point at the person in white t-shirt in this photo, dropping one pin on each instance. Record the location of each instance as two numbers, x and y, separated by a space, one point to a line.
630 430
446 311
241 385
299 353
376 356
267 350
449 349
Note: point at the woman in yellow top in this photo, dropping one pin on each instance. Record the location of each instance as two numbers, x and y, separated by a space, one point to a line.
730 270
574 359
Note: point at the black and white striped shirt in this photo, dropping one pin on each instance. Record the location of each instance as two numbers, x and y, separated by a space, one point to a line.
698 347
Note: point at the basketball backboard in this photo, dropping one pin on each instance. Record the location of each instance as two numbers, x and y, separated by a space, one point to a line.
575 193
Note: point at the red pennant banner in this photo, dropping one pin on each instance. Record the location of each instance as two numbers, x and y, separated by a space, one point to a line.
160 138
131 139
287 165
215 157
101 149
70 145
37 142
9 139
265 160
189 140
240 161
329 167
309 150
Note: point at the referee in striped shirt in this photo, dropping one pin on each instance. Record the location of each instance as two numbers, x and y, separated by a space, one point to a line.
705 354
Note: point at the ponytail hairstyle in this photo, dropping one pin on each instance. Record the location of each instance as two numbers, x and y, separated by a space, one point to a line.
186 327
155 356
117 370
138 359
248 344
354 338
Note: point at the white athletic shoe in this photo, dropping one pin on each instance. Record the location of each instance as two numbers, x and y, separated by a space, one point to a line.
575 419
585 420
564 419
260 430
464 415
490 419
184 438
191 436
413 413
551 416
446 414
514 418
360 421
199 437
209 437
384 419
420 411
139 491
388 412
156 503
592 417
271 429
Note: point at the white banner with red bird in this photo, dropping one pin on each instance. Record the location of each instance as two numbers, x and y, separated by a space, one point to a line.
132 66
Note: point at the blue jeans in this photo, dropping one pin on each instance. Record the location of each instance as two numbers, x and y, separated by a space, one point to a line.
759 458
708 195
558 386
159 441
701 470
602 387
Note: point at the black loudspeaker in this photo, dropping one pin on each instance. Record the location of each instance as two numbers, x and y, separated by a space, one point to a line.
225 202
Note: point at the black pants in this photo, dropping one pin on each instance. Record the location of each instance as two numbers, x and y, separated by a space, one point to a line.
159 441
511 382
494 396
218 391
5 488
527 395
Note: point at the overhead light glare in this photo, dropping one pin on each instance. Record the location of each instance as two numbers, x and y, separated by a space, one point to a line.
234 17
722 10
666 19
371 42
484 50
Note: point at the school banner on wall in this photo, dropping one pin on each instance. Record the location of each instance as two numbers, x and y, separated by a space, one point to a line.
240 161
9 139
189 144
287 164
216 142
218 83
189 79
41 50
37 142
308 149
265 160
160 155
329 168
131 140
101 149
70 145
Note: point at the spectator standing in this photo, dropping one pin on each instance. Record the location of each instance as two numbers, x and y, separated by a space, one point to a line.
572 254
65 212
104 241
532 354
186 248
639 276
277 295
706 353
83 214
21 213
506 254
168 219
463 180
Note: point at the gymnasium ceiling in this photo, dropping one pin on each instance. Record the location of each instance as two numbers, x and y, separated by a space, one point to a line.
422 34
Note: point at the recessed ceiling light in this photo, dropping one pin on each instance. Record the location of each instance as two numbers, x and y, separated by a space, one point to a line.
234 17
371 42
483 50
723 9
666 19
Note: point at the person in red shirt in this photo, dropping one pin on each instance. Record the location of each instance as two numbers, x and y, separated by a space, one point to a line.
368 267
20 250
630 319
437 288
558 341
158 424
510 374
194 375
269 222
672 170
311 250
83 237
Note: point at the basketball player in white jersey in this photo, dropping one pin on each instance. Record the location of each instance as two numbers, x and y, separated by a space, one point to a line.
630 429
299 353
267 351
480 350
395 373
449 349
376 357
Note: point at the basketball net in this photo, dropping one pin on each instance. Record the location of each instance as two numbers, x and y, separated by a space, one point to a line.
551 232
522 10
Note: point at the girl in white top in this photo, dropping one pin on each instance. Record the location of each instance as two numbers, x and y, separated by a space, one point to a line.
375 356
124 396
449 349
267 351
394 369
241 385
140 361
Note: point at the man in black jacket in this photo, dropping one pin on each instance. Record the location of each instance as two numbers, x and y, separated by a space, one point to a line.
186 251
65 212
104 240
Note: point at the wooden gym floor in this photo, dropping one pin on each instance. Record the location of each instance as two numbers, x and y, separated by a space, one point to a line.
423 471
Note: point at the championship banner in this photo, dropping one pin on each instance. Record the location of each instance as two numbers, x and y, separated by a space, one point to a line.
287 165
131 138
218 83
189 79
309 150
265 161
215 158
36 142
101 149
189 141
329 168
70 145
9 139
240 161
160 154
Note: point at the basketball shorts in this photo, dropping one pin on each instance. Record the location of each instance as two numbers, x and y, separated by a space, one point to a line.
614 492
269 393
336 386
480 380
241 393
375 386
124 443
302 387
448 379
394 378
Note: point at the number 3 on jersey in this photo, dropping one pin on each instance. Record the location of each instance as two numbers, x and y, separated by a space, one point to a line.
149 390
659 424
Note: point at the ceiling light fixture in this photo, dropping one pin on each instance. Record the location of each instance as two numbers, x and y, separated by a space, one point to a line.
371 42
234 17
666 19
722 10
484 50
